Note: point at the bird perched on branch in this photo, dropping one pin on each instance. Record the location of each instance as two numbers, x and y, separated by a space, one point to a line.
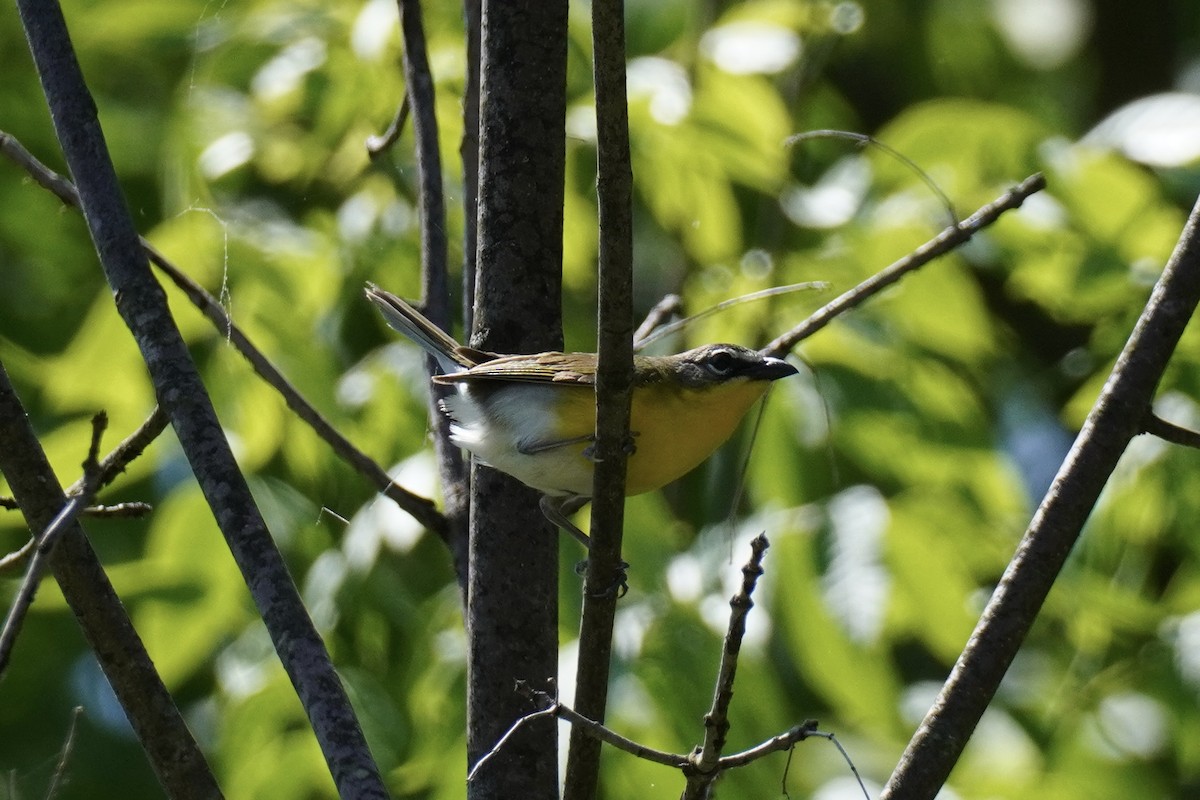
534 416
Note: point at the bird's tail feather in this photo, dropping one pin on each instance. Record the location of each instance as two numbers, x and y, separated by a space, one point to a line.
402 317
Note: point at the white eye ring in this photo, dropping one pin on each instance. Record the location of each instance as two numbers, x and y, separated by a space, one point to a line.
721 363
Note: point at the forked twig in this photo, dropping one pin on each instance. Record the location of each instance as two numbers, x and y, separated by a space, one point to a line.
704 762
48 538
110 467
551 706
703 765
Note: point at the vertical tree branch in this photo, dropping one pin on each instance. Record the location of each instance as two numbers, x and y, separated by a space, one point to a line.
468 151
435 280
614 384
1114 420
512 614
173 753
142 304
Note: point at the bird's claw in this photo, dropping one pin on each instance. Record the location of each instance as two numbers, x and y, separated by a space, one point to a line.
620 587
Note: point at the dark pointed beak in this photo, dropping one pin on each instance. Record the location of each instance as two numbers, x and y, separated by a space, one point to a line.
771 369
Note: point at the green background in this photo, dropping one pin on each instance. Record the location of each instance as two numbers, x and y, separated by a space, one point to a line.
894 476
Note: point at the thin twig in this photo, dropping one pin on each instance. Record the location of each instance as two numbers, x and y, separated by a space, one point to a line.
602 733
110 467
64 755
1169 431
663 310
599 731
716 721
704 762
18 556
468 153
130 448
377 145
46 541
723 305
435 275
550 711
849 761
863 140
783 741
787 768
941 244
131 510
420 508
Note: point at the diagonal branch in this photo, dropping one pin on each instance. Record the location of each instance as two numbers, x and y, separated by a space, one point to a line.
1115 419
142 305
939 245
784 741
597 730
172 751
420 508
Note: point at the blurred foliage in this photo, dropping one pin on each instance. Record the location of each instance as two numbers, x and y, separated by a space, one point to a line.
893 478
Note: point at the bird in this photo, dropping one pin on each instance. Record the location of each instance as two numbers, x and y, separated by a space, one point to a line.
533 416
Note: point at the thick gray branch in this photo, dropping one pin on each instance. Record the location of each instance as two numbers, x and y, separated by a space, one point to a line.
142 304
1116 418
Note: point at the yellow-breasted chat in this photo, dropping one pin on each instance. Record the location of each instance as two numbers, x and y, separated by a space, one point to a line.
534 416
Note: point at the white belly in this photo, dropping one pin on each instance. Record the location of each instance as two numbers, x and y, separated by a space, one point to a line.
514 421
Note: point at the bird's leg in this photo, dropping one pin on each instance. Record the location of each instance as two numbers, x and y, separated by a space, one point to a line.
558 511
533 448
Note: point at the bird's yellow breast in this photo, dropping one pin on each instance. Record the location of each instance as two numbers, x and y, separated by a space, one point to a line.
677 429
674 429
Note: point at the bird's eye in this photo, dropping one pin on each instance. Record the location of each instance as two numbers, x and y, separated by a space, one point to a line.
721 363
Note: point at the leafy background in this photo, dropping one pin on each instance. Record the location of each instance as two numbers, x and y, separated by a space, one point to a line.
894 477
